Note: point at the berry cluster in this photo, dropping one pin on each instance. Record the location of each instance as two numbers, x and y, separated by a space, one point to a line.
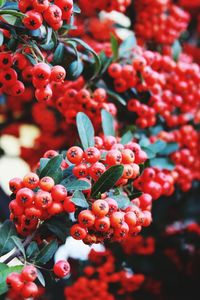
90 8
139 245
155 182
43 77
174 88
9 82
76 98
107 152
187 158
23 283
106 221
53 13
36 200
159 21
100 275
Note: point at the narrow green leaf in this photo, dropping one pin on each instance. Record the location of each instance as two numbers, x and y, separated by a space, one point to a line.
176 50
114 46
79 199
158 146
107 180
162 163
75 185
128 44
89 49
10 19
76 9
40 277
52 167
12 13
58 54
46 253
127 137
122 200
32 250
74 70
116 97
85 130
7 230
107 123
170 148
2 2
18 243
31 59
1 38
149 152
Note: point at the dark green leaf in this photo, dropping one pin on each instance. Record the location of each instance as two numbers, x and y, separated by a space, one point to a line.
46 253
85 130
7 230
127 137
107 123
12 13
76 9
78 198
107 180
1 38
122 200
74 70
176 50
75 185
18 243
158 146
43 163
31 59
114 46
105 62
4 272
32 249
40 277
162 163
89 49
55 225
128 44
116 97
58 55
170 148
52 167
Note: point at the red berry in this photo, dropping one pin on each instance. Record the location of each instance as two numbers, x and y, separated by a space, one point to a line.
59 193
31 180
58 74
75 155
46 183
42 71
14 280
29 290
32 20
92 155
15 185
25 197
29 273
68 205
43 199
78 232
86 218
61 268
100 208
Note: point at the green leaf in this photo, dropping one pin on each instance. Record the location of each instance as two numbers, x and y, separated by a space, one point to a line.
74 70
58 55
43 163
170 148
176 50
31 59
127 137
78 198
10 19
75 185
76 9
89 49
107 123
18 243
32 250
105 62
149 152
49 43
7 230
52 167
107 180
162 163
144 142
158 146
4 272
128 44
55 225
46 253
114 46
1 38
116 97
123 201
40 277
85 130
2 2
12 13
